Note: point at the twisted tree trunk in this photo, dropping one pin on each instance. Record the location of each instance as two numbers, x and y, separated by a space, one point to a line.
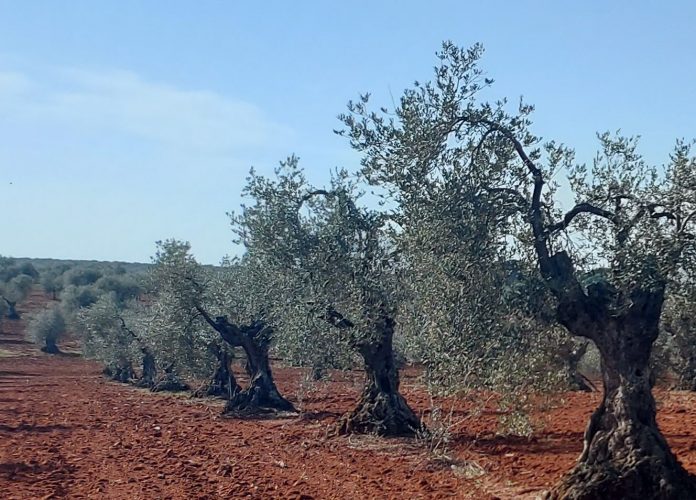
262 393
50 346
381 408
149 375
12 312
222 383
625 455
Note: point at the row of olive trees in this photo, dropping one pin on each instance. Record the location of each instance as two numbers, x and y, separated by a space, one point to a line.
16 281
76 287
469 263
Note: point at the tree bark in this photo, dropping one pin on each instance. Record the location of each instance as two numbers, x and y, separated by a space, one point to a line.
262 393
222 383
381 408
50 346
625 455
576 381
12 312
149 374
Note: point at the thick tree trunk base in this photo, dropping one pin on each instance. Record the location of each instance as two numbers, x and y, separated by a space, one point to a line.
382 414
255 401
223 383
629 462
149 374
50 348
639 478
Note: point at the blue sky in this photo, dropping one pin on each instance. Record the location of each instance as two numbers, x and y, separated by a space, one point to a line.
124 122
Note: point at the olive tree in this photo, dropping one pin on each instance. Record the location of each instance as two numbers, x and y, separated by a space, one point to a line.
52 282
14 291
82 275
234 303
112 332
16 281
637 219
45 328
338 258
74 298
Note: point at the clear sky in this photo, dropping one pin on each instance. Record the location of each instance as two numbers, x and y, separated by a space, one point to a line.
124 122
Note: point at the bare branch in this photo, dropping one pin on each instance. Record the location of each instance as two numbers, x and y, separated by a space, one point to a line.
580 208
316 192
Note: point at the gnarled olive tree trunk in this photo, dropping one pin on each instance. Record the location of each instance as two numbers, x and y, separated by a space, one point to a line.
262 392
625 455
12 312
50 346
381 408
222 383
261 395
149 375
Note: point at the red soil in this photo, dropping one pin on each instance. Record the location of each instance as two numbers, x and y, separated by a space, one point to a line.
66 432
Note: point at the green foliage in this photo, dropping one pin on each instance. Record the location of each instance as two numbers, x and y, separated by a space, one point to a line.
82 276
174 329
17 288
444 177
73 298
124 286
46 326
106 327
321 254
52 281
16 281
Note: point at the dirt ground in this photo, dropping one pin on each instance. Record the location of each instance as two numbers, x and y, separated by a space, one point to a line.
66 432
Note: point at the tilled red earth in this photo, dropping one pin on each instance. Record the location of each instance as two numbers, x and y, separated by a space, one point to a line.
66 432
